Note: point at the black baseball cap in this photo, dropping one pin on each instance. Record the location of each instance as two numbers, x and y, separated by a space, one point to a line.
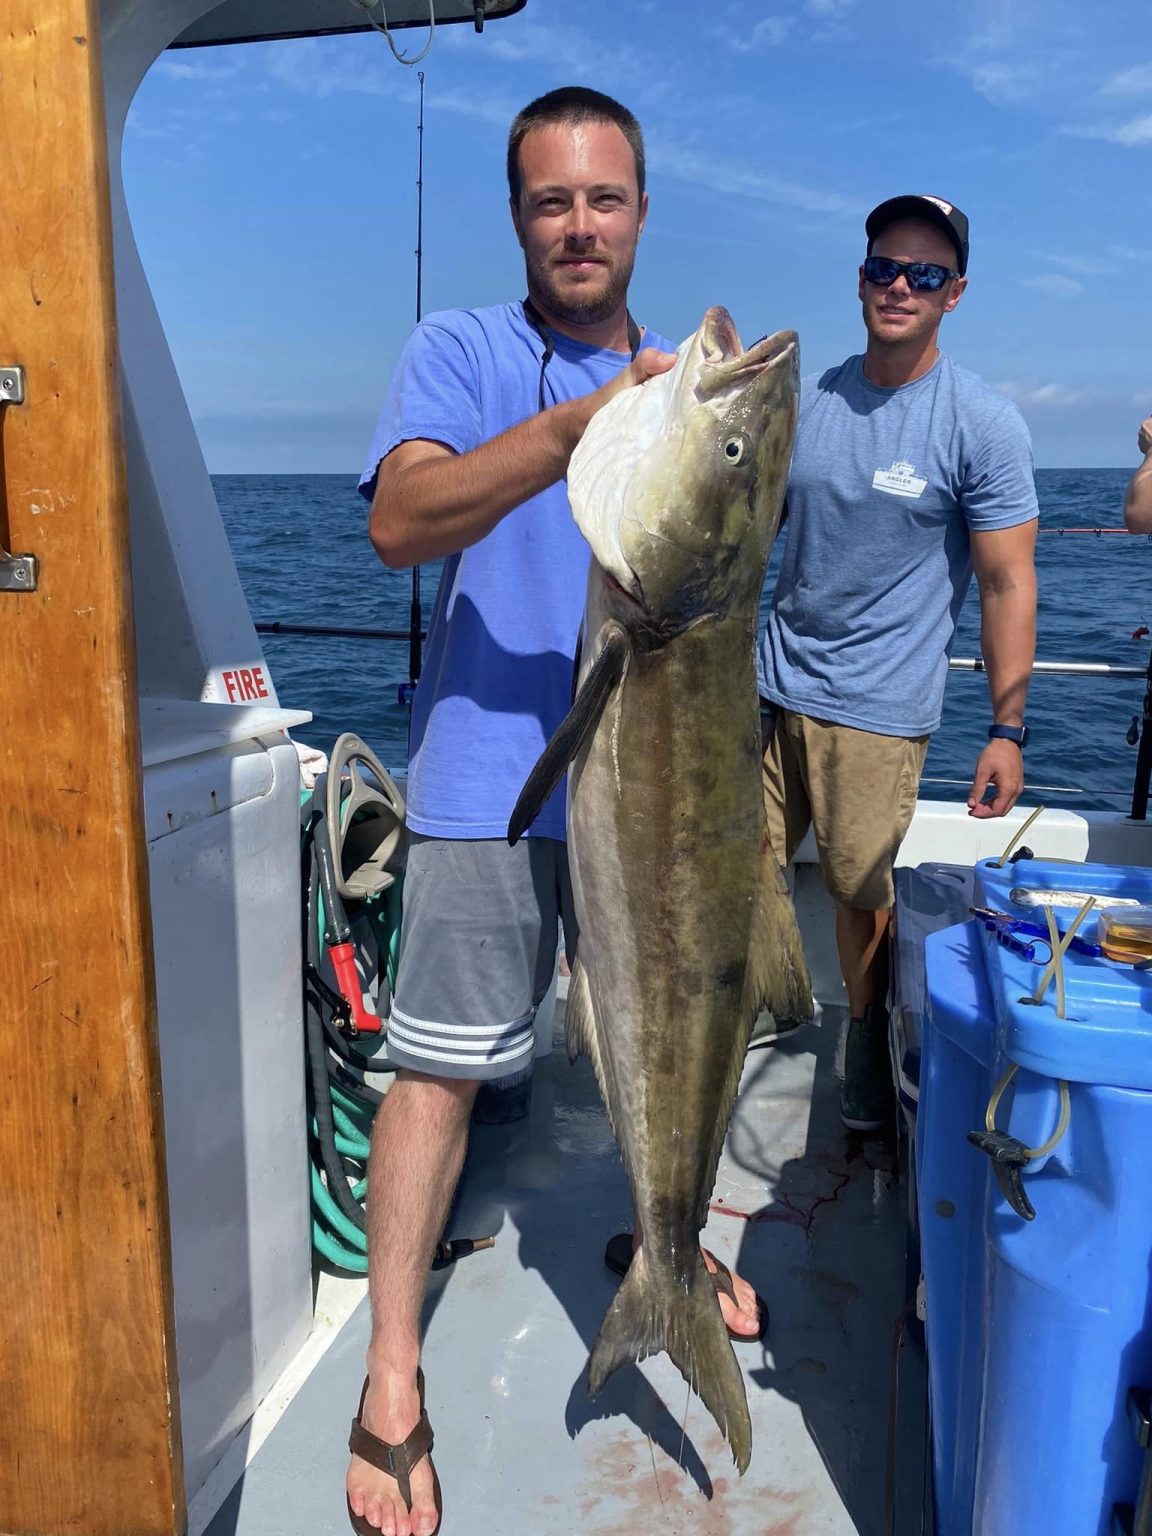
933 210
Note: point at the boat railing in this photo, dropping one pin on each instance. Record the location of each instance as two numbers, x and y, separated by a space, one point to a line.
1139 732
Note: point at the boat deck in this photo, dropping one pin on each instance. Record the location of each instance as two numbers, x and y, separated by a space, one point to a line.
812 1214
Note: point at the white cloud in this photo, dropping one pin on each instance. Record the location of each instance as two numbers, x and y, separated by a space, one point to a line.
1056 283
1136 81
206 70
1064 60
1129 253
310 70
769 32
535 41
1090 266
723 175
1138 131
831 18
1053 396
1059 57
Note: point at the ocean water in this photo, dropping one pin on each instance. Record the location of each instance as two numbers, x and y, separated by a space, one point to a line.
301 546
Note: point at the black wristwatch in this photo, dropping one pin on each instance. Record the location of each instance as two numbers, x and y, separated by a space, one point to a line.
1016 733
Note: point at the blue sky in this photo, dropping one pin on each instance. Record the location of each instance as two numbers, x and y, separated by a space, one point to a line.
272 188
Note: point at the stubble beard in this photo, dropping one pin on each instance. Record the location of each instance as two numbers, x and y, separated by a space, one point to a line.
569 306
925 326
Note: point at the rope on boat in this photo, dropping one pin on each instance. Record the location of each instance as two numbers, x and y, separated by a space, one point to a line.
368 6
1017 837
1031 1153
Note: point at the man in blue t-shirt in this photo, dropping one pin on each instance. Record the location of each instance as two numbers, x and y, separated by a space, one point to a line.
468 463
908 474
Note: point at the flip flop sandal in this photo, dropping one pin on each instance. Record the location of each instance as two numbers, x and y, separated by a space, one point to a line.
396 1460
618 1256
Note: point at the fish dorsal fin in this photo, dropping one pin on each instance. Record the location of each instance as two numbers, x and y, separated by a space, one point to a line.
580 721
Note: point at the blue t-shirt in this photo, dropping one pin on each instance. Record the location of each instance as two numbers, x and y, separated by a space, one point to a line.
497 675
884 487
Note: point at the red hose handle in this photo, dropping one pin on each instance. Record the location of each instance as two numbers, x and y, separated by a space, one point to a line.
343 958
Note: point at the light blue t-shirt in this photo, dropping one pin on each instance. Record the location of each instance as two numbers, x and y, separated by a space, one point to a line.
884 487
497 675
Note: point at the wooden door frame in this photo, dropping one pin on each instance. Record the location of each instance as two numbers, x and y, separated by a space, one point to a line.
89 1414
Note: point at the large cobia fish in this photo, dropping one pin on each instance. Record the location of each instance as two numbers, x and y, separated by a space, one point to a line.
686 928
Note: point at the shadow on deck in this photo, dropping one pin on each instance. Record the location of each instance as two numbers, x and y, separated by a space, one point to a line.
810 1213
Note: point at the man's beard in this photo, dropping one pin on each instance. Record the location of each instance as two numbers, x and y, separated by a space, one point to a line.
569 306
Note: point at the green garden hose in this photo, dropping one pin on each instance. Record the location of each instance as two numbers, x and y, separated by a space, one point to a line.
341 1109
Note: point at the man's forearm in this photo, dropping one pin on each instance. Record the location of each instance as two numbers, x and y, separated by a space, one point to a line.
437 506
1008 644
1138 499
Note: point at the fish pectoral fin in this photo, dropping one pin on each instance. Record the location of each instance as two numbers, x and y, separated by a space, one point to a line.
777 976
577 724
687 1322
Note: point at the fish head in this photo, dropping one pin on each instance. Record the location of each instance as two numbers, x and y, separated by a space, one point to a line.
678 483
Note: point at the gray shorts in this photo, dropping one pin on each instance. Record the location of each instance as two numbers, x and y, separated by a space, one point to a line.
477 951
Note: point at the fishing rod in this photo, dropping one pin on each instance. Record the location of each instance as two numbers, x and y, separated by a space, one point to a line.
415 614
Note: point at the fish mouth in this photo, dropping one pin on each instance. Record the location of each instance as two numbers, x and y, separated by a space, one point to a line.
724 351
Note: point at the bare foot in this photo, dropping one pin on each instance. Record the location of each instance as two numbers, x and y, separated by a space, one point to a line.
391 1411
743 1315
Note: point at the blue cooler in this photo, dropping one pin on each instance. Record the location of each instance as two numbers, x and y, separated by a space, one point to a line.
1067 1321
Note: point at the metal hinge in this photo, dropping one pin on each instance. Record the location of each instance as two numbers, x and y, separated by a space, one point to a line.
18 573
11 386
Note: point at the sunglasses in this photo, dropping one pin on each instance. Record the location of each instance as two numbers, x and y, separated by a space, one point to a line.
922 276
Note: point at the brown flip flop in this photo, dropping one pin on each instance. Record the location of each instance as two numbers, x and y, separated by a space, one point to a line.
395 1460
618 1257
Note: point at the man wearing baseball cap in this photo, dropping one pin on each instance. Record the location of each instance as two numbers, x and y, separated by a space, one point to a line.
909 474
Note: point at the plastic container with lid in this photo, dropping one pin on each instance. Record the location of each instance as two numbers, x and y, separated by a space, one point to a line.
1125 933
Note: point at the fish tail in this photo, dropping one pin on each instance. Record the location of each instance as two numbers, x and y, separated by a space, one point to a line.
643 1320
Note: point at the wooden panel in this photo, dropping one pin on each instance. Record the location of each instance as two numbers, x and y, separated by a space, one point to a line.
89 1425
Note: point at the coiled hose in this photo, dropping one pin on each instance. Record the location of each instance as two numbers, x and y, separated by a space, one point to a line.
341 1106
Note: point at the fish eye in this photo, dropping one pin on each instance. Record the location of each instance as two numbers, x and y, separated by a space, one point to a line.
736 447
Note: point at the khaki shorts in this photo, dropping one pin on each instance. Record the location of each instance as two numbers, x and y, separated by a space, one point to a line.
855 789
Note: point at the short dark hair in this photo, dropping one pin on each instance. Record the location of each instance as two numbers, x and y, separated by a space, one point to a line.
572 104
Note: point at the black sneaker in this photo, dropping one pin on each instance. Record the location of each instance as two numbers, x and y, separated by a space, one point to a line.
866 1097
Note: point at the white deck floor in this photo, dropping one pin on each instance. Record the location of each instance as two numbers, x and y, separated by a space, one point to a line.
809 1213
